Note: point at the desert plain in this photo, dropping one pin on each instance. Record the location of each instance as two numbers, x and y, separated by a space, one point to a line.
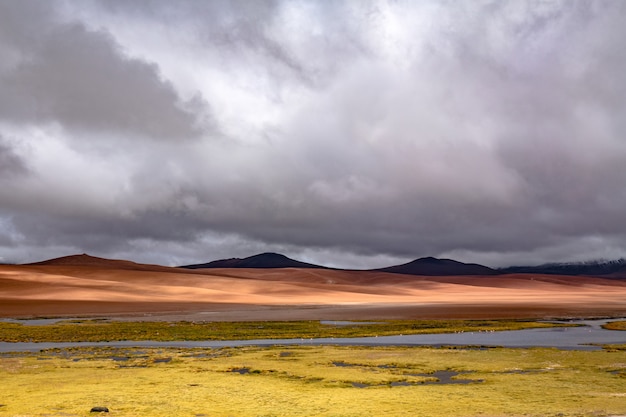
83 285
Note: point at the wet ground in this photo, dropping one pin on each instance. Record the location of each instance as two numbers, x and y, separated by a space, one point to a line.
589 336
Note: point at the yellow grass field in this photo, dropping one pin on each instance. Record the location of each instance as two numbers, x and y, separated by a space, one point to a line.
313 381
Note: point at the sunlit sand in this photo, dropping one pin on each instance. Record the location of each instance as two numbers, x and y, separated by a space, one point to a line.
103 287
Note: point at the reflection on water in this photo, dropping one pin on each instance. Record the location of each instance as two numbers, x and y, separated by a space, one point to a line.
348 323
575 338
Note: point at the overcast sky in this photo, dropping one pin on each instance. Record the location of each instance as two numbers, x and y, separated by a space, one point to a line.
347 133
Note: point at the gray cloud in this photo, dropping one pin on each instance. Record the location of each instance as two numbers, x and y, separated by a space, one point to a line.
12 165
64 73
375 133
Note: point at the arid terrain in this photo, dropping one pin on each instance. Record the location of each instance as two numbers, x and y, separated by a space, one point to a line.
86 286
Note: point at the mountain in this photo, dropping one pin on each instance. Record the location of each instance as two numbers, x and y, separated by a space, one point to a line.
615 268
439 267
263 260
422 266
85 260
429 266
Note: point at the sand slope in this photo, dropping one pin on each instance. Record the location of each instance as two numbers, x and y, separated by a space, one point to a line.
93 286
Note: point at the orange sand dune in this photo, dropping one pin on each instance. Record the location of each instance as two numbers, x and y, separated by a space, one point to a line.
88 286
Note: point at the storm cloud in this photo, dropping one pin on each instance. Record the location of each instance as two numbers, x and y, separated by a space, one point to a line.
352 134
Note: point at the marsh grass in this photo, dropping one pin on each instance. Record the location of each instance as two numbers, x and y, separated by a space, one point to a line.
307 381
98 331
615 325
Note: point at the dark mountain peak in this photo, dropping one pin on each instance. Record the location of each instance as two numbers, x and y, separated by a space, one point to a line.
438 261
439 267
262 260
615 267
428 259
268 256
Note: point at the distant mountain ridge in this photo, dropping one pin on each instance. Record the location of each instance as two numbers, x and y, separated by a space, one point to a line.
592 268
439 267
84 260
262 260
428 266
423 266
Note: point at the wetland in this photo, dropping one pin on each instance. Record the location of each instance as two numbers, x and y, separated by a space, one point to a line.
307 381
571 334
302 379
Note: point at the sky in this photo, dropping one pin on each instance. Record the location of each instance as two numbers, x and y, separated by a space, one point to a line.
355 134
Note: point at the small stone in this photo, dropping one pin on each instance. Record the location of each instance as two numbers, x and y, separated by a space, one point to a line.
99 410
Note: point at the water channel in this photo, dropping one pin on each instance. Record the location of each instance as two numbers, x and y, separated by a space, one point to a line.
590 336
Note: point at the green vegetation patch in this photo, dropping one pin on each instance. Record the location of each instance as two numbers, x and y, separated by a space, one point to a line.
313 381
98 331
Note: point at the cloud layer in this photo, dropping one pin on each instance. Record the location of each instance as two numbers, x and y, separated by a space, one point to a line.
350 134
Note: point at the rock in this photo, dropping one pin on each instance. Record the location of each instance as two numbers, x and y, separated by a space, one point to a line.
99 410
